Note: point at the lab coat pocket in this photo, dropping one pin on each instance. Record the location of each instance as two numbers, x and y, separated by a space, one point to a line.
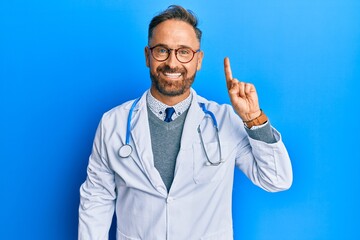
204 172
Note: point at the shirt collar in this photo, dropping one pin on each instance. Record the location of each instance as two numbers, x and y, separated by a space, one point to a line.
158 108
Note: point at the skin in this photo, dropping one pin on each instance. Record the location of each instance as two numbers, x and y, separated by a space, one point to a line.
243 96
173 34
176 77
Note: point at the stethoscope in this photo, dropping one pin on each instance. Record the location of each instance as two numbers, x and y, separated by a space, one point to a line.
126 149
209 162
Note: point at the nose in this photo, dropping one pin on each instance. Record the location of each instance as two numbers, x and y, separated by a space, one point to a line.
172 60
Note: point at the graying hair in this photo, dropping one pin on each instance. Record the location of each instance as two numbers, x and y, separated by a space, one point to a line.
178 13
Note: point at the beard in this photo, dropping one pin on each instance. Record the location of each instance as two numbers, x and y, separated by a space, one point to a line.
169 87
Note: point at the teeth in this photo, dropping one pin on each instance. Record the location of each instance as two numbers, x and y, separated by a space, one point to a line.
172 75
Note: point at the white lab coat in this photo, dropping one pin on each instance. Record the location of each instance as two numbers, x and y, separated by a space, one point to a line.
198 205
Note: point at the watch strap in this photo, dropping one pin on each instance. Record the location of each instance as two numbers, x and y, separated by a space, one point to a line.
261 119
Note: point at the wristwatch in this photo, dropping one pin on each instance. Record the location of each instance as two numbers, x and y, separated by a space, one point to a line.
257 121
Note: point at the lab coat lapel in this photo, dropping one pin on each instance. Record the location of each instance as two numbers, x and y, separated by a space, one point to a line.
140 132
193 119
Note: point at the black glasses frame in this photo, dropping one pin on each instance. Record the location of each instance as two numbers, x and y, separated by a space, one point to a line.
169 52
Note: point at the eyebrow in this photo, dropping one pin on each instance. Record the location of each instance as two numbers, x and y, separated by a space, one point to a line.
167 46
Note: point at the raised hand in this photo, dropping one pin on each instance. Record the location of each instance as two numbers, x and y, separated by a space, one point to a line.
243 96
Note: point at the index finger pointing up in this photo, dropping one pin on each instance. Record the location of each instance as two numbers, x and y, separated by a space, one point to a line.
227 69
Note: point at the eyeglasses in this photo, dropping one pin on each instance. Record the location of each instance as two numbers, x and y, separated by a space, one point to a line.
183 54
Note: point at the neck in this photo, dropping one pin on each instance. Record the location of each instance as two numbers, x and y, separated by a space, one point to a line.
169 100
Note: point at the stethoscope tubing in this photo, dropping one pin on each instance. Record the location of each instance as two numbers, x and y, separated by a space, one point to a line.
126 149
202 105
127 140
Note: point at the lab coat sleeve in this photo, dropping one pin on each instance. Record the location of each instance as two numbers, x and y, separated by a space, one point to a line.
97 194
267 165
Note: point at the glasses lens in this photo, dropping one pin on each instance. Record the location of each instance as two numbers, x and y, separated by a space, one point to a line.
184 55
160 53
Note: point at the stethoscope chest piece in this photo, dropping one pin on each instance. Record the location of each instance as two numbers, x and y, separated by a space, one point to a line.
125 151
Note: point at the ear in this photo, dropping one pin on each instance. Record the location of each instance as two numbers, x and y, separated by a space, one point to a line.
199 60
147 56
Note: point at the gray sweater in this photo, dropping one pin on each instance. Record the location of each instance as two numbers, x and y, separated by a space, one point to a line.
165 143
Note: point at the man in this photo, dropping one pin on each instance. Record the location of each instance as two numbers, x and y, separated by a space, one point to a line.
171 175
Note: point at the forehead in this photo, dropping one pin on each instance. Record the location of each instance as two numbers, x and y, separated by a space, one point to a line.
174 33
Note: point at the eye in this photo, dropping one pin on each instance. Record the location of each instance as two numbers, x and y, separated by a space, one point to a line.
161 50
184 51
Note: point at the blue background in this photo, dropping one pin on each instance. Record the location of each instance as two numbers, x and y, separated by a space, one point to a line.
64 63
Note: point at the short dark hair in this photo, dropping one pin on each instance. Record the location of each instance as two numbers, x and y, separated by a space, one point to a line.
178 13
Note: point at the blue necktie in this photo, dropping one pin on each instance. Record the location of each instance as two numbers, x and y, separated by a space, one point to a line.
169 112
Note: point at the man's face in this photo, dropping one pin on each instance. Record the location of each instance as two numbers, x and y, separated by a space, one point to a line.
171 77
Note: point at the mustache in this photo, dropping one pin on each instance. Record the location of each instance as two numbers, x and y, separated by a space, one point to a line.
168 69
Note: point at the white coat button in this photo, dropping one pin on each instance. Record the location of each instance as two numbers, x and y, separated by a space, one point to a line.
169 199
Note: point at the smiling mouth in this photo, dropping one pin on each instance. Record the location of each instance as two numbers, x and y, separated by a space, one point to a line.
172 75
